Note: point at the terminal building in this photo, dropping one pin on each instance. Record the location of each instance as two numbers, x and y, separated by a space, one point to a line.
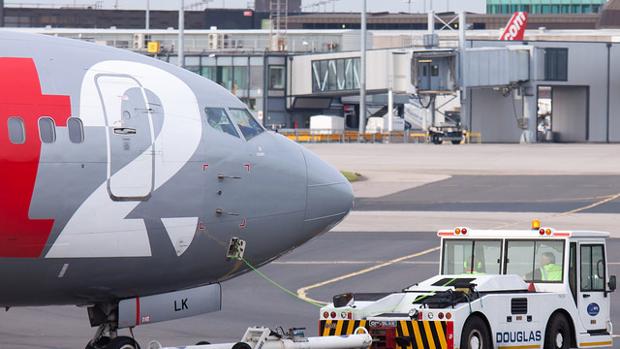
560 86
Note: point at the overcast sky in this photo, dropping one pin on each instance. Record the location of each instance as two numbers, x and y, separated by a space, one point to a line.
340 5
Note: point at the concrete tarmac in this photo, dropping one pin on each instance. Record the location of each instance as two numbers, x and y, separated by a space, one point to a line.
251 300
410 191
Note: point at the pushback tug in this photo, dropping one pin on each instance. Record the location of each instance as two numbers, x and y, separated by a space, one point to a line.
507 289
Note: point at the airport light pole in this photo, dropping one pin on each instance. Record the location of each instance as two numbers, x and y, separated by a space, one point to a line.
181 48
362 117
147 19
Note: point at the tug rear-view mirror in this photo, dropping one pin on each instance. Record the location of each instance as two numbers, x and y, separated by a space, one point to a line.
612 283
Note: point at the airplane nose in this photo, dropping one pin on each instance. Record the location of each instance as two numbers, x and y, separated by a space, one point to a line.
329 193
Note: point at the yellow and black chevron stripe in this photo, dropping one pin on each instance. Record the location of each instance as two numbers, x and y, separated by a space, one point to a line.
339 327
409 334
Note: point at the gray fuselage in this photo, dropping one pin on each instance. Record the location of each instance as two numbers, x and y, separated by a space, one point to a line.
143 193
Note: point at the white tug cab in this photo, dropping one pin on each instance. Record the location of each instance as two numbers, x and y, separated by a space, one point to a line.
509 289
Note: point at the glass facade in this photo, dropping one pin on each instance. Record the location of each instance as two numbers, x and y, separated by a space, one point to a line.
241 75
257 80
545 6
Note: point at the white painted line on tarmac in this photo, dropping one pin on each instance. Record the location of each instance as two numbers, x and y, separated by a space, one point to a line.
302 292
348 262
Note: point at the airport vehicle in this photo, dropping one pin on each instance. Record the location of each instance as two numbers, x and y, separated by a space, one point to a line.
133 187
264 338
539 288
451 130
326 124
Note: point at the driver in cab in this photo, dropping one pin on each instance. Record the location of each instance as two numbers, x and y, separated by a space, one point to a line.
549 269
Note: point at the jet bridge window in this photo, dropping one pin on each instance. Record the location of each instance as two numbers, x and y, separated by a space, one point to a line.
536 261
219 120
76 130
17 132
471 257
47 130
247 124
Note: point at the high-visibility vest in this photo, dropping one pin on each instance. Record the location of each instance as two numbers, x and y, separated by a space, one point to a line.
551 272
477 269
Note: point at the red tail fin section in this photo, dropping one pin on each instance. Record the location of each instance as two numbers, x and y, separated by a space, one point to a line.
515 30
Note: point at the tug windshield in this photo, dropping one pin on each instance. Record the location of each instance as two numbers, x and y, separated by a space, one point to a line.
536 261
471 257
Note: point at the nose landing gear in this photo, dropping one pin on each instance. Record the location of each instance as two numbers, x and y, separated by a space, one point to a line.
106 337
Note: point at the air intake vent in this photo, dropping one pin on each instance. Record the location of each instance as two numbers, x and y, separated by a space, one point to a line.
518 306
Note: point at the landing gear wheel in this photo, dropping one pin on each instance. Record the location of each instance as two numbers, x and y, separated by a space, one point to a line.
456 141
99 344
123 343
476 335
241 345
558 334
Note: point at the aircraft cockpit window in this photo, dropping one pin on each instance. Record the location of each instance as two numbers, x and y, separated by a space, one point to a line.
17 132
219 120
246 122
47 130
76 130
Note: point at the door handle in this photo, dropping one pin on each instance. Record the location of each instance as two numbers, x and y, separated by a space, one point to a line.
586 296
124 131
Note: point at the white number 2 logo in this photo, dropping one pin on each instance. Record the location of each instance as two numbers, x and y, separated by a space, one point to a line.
99 227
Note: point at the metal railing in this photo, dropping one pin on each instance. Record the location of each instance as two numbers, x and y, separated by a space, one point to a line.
332 136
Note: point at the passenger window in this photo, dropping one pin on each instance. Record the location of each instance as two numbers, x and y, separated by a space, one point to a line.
246 123
219 120
47 130
76 130
592 268
17 133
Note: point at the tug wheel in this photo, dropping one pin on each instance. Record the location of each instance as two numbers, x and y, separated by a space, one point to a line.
558 334
476 334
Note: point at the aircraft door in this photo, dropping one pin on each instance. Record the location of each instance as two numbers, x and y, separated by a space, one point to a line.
593 301
130 137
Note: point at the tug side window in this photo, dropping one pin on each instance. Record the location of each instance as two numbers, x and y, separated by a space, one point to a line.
592 268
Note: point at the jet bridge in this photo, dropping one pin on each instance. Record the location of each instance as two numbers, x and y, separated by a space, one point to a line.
315 79
496 66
